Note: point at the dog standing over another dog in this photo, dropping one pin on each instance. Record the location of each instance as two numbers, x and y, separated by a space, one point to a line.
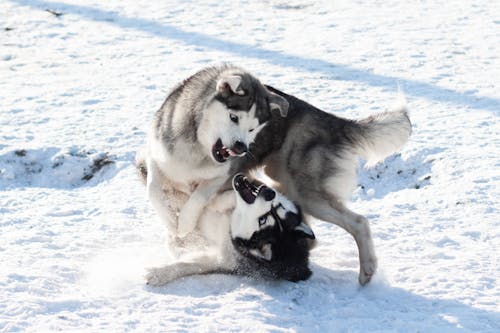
313 156
222 121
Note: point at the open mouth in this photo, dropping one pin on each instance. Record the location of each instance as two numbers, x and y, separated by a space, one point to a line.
247 191
219 152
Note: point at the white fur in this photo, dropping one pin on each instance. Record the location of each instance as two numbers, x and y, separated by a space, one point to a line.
385 133
245 222
233 81
180 165
216 124
191 211
344 181
227 214
265 252
179 168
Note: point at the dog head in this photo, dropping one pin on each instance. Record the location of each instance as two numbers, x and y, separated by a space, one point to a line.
269 229
238 110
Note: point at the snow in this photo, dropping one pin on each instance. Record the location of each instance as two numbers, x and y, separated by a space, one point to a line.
78 92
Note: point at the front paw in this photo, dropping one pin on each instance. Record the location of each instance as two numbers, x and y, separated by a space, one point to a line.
158 276
367 270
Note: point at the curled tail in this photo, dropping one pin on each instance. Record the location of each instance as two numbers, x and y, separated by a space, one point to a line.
383 134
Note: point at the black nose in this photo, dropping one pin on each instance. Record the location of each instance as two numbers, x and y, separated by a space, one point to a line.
238 181
239 148
268 193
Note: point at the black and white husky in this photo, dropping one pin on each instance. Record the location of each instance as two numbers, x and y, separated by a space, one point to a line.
251 230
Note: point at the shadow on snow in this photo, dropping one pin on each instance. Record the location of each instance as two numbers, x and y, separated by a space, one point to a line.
332 300
332 70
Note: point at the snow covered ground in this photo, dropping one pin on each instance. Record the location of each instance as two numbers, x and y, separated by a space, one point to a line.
77 93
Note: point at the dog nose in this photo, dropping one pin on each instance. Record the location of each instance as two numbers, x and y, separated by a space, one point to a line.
238 181
239 148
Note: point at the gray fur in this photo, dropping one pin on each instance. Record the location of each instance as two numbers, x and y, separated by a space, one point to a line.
194 147
313 156
193 95
193 144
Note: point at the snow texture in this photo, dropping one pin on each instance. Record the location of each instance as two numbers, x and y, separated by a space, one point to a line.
80 81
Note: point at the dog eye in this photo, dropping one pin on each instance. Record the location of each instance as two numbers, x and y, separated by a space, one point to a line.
234 118
251 130
262 220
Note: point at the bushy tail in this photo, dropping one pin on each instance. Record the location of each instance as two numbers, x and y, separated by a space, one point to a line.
383 134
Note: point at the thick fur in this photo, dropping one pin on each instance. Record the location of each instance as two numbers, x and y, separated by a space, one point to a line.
311 154
205 123
231 238
383 134
313 157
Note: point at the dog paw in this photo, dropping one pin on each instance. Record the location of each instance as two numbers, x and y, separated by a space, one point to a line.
157 277
366 271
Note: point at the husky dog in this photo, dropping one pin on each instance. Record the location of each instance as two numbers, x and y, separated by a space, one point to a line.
313 157
223 112
261 233
204 123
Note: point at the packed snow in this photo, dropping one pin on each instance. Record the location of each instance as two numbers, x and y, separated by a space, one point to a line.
80 81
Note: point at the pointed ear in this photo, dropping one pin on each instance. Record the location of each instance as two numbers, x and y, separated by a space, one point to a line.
230 84
304 231
265 252
276 102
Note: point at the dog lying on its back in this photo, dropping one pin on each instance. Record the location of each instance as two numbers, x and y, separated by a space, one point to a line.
251 230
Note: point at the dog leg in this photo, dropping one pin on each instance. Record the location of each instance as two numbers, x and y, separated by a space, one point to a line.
223 202
191 211
202 264
354 224
158 198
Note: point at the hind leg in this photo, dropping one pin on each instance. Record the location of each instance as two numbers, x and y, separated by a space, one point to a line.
198 264
355 224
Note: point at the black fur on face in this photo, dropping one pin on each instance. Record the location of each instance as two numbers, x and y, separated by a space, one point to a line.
289 249
252 92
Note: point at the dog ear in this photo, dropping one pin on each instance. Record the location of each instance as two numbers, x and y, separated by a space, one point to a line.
276 102
296 224
230 83
265 252
304 231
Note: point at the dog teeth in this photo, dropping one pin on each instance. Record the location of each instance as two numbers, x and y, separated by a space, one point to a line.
256 190
225 152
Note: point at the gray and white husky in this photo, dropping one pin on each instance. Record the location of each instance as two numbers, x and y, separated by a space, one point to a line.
251 230
204 125
222 120
313 156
